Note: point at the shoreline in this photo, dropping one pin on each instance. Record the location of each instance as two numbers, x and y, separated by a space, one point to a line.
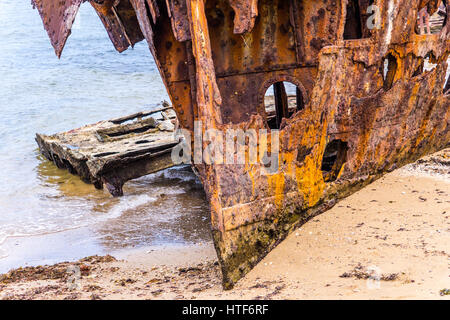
21 253
390 240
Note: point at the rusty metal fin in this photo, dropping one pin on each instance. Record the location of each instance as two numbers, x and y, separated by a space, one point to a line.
58 18
120 22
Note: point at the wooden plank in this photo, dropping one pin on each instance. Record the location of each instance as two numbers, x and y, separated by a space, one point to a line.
112 152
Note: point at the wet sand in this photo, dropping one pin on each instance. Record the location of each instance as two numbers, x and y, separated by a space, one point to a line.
390 240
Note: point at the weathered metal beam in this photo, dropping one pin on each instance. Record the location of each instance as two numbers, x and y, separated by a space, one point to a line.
209 98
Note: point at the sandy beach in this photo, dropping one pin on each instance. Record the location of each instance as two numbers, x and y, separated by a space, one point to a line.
390 240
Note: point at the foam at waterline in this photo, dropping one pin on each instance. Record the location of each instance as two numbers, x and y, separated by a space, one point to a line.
47 227
180 173
4 237
127 203
143 202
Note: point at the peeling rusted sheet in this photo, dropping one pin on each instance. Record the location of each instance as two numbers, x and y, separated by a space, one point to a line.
143 19
246 12
208 95
58 17
366 106
140 10
177 10
119 19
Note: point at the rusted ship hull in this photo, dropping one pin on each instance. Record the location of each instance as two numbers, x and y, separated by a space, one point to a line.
366 103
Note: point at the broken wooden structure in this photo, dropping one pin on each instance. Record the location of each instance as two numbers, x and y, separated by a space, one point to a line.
365 103
431 24
115 151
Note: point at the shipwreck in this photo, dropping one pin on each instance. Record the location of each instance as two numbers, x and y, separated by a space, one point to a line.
371 94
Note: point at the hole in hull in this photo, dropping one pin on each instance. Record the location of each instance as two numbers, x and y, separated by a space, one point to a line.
334 158
287 99
361 19
426 65
431 23
353 26
389 71
447 86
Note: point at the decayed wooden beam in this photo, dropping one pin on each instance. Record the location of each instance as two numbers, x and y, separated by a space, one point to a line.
281 102
110 152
